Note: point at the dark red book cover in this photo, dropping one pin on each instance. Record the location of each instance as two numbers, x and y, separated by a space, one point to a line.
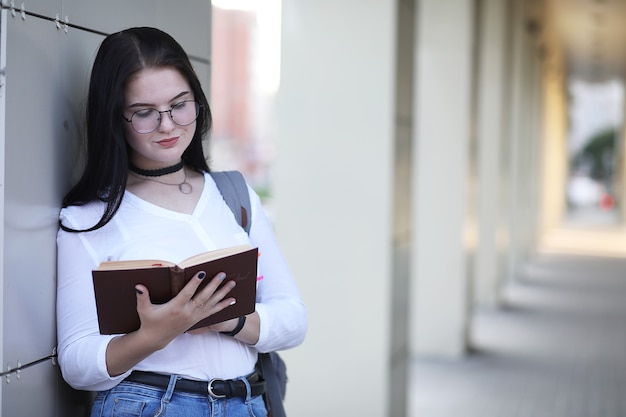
116 299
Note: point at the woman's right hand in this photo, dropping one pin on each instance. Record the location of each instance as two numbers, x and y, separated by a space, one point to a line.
162 323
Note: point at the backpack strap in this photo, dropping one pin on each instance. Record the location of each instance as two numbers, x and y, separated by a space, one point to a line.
234 190
274 372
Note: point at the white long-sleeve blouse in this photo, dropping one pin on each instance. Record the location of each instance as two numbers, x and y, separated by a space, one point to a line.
141 230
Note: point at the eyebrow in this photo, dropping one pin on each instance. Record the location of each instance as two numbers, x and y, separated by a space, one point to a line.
184 93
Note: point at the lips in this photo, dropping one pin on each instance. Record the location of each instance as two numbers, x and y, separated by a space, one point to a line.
169 142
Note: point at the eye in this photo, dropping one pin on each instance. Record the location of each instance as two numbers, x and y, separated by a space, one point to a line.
181 105
144 114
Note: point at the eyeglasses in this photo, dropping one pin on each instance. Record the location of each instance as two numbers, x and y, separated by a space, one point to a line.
149 120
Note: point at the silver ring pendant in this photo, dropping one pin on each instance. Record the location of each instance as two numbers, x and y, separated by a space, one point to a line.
185 188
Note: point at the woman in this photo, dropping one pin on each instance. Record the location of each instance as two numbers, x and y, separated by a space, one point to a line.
146 194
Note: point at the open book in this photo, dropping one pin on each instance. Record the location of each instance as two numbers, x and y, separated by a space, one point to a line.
116 300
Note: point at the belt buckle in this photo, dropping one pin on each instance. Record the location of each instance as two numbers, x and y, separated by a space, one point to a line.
210 388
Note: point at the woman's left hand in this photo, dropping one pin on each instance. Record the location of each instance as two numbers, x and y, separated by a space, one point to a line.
224 326
248 334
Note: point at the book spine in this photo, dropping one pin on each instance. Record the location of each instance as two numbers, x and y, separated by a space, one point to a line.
177 279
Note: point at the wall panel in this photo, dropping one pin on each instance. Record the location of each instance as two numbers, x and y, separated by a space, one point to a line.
40 7
31 201
189 21
42 105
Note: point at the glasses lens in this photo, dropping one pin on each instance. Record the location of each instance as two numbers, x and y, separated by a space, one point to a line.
185 112
145 121
148 120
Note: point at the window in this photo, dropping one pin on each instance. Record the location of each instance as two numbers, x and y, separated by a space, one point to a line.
245 76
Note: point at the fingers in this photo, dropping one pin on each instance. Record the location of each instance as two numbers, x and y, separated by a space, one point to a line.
143 296
196 305
177 315
190 288
212 293
214 296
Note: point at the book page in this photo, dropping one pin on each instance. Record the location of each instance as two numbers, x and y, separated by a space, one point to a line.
215 254
156 263
138 264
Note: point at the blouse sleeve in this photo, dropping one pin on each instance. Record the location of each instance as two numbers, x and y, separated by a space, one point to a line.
81 348
279 305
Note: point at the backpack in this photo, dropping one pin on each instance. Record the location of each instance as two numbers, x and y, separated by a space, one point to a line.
270 366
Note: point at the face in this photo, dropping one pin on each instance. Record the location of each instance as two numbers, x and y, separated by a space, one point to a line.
161 89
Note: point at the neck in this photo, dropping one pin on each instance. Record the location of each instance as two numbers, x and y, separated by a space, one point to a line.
156 172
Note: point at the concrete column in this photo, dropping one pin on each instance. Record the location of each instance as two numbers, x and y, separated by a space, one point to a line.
492 115
440 309
524 133
332 182
518 33
535 155
532 153
402 223
554 145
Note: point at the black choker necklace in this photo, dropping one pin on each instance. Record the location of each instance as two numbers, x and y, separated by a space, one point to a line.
156 172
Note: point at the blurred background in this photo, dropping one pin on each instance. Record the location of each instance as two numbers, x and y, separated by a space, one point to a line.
457 168
446 179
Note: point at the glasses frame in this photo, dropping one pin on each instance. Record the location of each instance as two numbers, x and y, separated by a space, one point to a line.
130 119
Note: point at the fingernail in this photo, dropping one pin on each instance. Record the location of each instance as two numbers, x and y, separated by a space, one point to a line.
201 275
233 302
138 291
221 276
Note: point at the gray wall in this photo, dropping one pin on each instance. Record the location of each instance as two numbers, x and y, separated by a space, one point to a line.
45 69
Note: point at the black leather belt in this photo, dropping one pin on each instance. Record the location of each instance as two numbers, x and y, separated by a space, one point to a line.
216 388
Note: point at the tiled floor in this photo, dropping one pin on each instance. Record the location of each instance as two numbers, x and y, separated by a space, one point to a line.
558 349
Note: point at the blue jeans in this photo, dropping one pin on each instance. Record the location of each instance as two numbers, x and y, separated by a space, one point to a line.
130 399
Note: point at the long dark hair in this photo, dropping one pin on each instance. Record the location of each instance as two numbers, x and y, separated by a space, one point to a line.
121 55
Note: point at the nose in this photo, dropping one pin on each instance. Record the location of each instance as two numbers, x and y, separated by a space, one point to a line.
166 124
